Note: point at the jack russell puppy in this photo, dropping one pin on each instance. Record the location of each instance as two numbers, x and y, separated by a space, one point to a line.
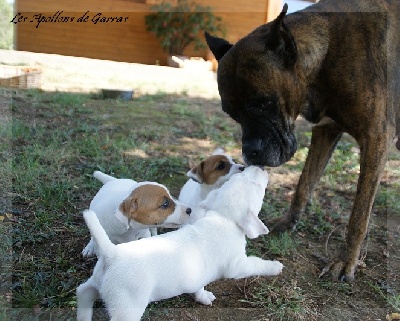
209 175
127 209
128 276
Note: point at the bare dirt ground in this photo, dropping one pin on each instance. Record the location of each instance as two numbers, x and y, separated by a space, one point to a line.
73 74
298 289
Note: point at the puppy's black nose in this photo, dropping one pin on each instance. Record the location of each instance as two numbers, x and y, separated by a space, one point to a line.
241 168
188 211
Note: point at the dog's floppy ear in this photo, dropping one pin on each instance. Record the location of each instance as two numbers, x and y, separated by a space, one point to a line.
126 210
252 225
281 41
218 46
196 173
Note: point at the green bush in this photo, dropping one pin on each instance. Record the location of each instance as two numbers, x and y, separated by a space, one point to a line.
6 27
178 26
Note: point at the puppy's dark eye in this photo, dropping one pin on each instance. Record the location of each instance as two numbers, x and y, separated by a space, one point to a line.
221 166
165 205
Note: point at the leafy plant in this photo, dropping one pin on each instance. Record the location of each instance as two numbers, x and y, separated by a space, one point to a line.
179 26
6 28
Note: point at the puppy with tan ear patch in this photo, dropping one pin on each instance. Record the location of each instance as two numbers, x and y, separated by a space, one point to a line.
150 204
127 209
129 276
209 175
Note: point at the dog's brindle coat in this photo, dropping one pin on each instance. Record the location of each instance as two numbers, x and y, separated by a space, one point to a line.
336 63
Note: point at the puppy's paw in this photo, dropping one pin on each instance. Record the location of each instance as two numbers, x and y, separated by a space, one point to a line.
278 267
210 295
274 268
88 250
204 297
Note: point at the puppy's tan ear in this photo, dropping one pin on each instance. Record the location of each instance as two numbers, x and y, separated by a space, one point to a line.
127 210
252 225
129 206
196 173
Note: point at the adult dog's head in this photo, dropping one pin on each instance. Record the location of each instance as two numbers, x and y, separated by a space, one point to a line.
261 90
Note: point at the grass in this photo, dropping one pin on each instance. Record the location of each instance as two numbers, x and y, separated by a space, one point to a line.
58 140
53 143
269 296
388 198
272 245
392 299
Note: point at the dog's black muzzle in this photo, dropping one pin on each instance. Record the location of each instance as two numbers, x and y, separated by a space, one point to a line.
269 151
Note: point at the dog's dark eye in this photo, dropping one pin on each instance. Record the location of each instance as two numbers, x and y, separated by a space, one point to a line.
221 166
266 105
165 204
263 106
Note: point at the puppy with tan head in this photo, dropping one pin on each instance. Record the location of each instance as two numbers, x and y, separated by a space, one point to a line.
129 276
209 175
127 209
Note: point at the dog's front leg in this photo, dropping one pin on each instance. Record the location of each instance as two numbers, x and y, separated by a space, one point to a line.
323 142
246 266
373 158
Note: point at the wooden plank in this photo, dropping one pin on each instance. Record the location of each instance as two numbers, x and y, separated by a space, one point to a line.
80 6
120 41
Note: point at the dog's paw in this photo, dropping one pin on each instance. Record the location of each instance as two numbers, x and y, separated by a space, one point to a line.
280 224
204 297
339 271
88 250
276 268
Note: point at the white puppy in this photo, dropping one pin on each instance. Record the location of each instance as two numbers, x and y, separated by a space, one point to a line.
128 276
127 209
209 175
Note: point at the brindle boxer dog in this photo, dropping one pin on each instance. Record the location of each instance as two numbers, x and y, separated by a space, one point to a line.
336 63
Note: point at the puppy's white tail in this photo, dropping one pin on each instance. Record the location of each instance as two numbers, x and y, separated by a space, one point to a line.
104 178
105 247
219 151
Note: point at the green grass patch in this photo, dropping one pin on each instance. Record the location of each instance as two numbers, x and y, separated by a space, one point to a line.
55 141
268 246
389 295
283 302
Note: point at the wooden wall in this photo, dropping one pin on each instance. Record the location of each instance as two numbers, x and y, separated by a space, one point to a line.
120 41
